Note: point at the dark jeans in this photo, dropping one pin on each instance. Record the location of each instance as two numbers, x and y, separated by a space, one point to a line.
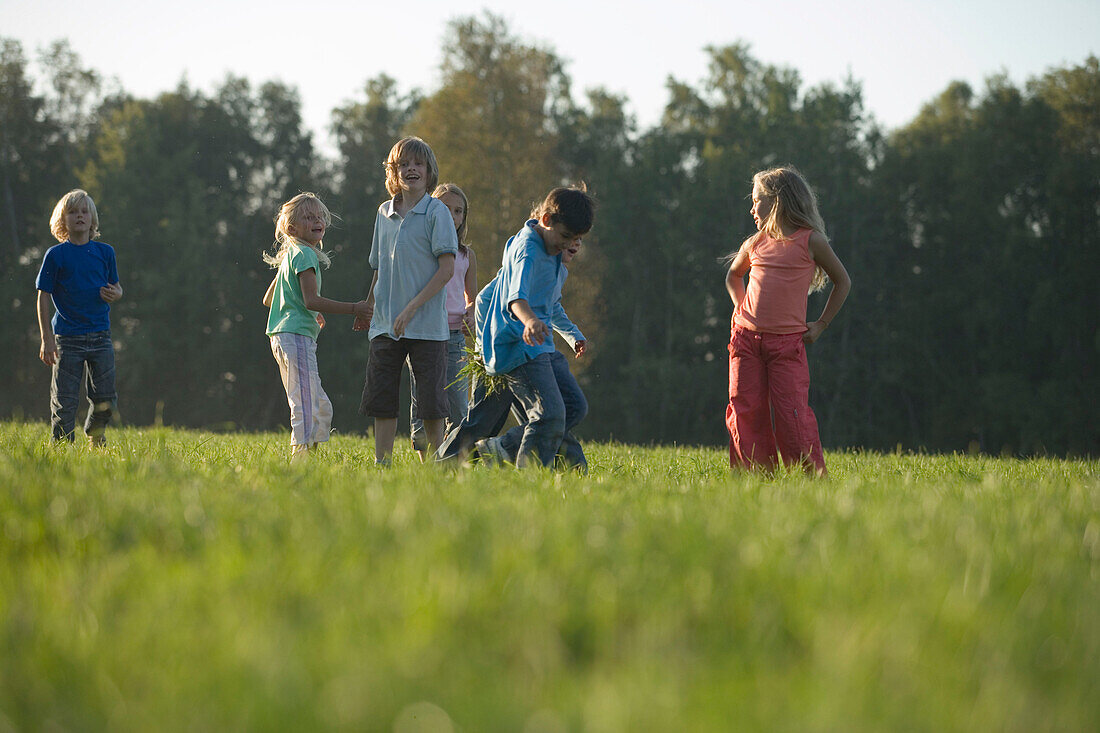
89 358
576 407
533 386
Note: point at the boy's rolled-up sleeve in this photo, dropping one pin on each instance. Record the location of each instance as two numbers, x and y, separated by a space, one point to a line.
443 235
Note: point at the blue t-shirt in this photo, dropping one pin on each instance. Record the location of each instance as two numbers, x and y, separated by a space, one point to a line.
528 273
73 274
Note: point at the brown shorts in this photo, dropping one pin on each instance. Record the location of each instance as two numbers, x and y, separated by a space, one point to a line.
428 360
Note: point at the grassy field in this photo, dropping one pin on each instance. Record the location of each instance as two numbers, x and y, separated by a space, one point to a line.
186 581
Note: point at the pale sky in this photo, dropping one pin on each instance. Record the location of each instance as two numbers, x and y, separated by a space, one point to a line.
903 52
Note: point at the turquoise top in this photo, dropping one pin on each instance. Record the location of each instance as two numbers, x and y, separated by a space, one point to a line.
288 311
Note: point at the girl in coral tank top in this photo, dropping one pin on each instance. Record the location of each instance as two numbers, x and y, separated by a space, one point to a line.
787 258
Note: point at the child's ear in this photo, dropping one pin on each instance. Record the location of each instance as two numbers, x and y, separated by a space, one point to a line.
546 220
291 230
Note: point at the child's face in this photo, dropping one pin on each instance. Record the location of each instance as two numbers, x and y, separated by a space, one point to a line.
570 252
78 220
412 175
310 226
761 206
456 206
558 238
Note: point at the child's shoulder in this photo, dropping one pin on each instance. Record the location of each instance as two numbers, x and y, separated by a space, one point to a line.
301 253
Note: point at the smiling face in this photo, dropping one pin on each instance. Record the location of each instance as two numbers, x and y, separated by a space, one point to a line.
309 226
557 237
412 176
570 252
761 206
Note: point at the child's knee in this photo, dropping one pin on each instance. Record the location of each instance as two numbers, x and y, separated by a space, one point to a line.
102 412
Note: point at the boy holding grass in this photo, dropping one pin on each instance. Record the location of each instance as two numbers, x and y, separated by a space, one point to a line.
515 334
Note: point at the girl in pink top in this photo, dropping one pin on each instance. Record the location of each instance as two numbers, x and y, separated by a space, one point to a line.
786 259
461 290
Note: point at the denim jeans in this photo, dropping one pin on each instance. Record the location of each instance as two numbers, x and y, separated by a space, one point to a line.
88 358
458 392
576 407
533 386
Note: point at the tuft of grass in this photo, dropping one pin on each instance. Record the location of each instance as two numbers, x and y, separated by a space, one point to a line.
180 580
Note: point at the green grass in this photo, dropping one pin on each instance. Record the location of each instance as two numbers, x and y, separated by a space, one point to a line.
190 581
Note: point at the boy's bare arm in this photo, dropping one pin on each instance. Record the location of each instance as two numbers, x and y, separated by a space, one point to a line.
439 280
48 350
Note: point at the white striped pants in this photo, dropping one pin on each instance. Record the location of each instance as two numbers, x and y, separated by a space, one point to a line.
310 408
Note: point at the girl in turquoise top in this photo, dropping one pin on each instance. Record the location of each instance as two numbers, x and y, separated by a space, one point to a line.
295 320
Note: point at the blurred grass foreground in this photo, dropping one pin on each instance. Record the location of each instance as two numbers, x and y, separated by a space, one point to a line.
186 581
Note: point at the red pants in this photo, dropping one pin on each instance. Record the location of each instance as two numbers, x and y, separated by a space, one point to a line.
769 377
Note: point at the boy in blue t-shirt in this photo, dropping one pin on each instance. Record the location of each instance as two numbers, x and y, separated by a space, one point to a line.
80 276
515 314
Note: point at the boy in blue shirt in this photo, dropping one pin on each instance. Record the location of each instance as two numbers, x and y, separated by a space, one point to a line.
515 331
80 276
570 453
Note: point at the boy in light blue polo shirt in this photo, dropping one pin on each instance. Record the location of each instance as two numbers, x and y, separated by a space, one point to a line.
413 257
515 331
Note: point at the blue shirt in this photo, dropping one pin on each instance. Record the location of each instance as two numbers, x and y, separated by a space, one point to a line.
405 253
558 318
528 273
73 274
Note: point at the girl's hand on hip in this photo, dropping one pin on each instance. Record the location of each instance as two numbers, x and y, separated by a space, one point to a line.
813 331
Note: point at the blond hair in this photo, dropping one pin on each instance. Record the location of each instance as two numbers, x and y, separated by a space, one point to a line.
291 213
69 202
461 231
794 206
418 150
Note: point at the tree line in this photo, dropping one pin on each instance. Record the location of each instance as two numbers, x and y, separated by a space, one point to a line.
972 235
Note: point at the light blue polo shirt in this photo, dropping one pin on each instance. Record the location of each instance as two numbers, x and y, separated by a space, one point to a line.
528 273
405 254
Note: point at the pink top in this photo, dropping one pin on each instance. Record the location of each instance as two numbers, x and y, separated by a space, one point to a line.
456 291
779 281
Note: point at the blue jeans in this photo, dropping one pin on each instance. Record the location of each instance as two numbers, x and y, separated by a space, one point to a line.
457 391
90 358
576 407
533 386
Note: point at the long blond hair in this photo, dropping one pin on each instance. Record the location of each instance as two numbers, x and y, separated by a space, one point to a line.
68 202
290 213
794 206
461 231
